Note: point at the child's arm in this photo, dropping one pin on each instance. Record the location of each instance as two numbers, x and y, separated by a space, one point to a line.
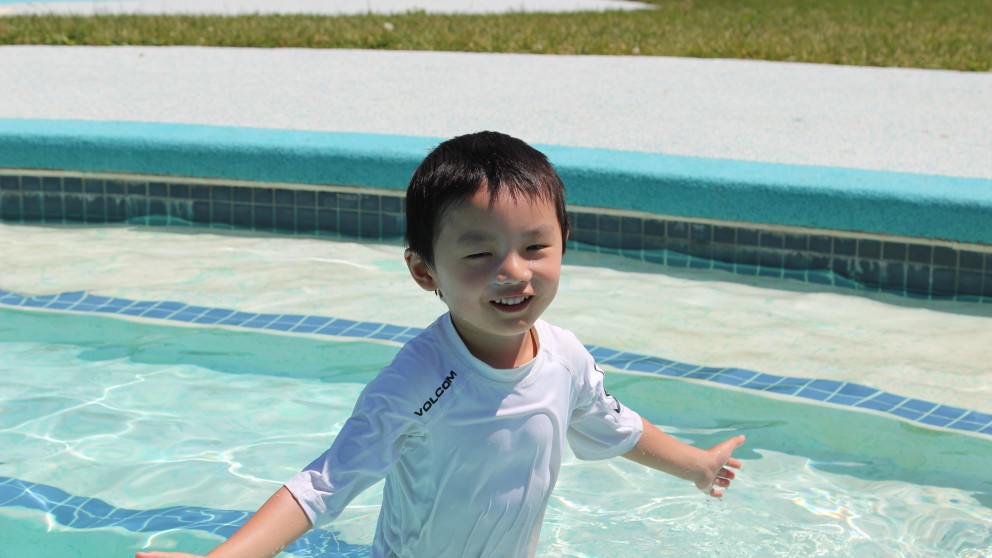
275 525
707 469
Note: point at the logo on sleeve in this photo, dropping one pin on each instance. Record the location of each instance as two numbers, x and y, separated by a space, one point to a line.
432 400
616 404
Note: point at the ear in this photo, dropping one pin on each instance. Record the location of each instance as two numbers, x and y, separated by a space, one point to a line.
420 271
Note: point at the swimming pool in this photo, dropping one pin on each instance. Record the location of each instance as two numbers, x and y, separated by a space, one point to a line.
157 383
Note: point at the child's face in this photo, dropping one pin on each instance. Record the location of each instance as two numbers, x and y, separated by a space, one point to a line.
497 267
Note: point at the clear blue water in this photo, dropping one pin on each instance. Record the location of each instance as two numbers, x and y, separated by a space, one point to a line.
120 435
140 419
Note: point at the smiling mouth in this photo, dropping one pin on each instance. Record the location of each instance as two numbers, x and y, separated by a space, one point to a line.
512 303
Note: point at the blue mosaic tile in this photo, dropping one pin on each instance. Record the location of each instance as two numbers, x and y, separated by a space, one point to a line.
948 411
391 330
333 328
10 299
967 425
111 307
935 420
856 390
845 400
919 406
813 394
315 321
280 326
788 386
729 380
829 391
155 313
702 374
649 365
602 353
675 368
907 413
212 316
643 364
829 386
875 405
35 302
137 308
894 400
755 384
362 329
261 321
238 318
975 416
169 306
80 512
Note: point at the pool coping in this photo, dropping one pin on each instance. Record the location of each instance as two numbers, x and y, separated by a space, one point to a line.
931 207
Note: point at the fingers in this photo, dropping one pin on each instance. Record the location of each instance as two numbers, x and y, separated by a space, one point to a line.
724 475
723 478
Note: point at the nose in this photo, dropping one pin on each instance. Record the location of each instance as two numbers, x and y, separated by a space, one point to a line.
513 269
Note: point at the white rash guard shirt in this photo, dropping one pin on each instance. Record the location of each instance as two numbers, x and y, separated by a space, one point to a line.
470 453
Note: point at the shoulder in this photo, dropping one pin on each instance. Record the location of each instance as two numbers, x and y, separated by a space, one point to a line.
562 343
564 348
420 368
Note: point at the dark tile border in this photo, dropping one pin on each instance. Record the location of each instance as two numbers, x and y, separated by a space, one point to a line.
266 208
909 267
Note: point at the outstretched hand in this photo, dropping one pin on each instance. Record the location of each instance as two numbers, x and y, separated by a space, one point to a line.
717 474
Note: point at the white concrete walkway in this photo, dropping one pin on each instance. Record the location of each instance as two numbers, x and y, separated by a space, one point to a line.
922 121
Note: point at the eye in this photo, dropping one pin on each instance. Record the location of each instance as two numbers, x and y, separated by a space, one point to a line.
477 255
535 247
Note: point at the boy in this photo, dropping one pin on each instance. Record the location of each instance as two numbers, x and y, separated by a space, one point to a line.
469 422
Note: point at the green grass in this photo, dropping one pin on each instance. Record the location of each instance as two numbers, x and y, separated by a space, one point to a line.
948 34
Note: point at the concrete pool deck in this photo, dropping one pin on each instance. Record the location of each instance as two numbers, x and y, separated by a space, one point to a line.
882 150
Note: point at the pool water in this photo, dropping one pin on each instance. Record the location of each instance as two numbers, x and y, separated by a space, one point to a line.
129 434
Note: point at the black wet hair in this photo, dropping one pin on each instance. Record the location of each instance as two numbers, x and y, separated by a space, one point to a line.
456 169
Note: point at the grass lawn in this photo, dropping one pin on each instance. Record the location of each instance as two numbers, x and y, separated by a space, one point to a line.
948 34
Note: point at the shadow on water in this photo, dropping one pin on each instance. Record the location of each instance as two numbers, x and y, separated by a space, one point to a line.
839 441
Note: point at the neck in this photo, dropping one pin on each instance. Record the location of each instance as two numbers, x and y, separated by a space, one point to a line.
516 351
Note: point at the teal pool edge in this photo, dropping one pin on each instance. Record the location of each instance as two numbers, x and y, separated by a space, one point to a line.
933 207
